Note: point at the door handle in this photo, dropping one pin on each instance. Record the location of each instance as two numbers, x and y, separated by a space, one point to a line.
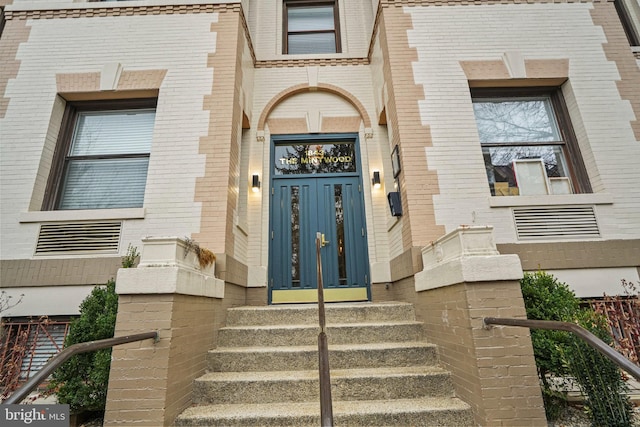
323 242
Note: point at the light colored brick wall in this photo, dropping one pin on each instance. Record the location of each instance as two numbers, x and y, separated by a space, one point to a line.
390 237
241 226
161 41
601 115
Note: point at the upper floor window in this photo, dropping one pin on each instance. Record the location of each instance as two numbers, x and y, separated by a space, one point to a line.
528 144
310 26
102 156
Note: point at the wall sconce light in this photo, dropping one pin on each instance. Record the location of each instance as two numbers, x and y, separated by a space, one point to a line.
376 179
255 183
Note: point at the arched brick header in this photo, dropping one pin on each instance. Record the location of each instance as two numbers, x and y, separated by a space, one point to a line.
304 87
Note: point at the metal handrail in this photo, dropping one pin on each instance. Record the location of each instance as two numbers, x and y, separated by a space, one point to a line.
326 410
587 336
57 360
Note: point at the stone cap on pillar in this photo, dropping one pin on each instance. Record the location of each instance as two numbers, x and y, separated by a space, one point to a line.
171 252
169 265
466 254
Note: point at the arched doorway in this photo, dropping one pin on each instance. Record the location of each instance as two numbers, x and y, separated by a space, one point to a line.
315 186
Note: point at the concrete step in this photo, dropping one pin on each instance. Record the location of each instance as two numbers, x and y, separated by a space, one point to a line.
341 356
265 370
429 411
287 335
307 314
303 386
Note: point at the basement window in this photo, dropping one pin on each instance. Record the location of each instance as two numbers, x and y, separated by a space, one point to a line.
26 346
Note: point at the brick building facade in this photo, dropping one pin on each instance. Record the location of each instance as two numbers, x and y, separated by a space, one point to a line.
521 118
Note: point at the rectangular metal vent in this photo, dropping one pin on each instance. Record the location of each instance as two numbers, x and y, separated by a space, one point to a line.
556 222
79 237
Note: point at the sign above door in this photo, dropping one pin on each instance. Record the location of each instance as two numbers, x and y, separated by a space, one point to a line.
314 158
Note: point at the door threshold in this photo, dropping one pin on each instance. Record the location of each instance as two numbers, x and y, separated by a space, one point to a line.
291 296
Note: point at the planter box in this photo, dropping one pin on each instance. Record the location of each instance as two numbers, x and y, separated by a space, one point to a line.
171 252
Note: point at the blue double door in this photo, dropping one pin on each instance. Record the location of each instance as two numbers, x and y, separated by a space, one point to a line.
302 207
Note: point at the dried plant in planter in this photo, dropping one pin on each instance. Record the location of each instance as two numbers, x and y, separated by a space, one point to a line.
204 255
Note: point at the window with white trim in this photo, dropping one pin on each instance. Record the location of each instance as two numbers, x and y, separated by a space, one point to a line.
527 143
310 26
102 156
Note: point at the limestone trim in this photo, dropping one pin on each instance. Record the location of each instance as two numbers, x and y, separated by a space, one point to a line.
305 87
328 124
217 190
409 131
127 85
575 255
288 126
467 254
10 65
340 124
403 3
76 11
323 62
617 50
58 271
167 266
513 70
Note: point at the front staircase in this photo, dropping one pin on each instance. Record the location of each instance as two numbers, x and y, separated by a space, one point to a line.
265 370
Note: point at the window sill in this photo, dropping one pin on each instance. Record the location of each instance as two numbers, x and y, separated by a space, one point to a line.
82 215
547 200
316 58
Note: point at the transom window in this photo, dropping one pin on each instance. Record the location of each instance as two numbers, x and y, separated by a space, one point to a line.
310 27
106 157
527 146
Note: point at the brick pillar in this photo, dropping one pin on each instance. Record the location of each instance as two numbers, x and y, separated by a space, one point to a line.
464 280
150 383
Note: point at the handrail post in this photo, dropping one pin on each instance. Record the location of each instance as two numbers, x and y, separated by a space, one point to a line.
326 410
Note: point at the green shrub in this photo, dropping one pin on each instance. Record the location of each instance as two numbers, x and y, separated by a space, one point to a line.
81 382
562 355
545 298
606 393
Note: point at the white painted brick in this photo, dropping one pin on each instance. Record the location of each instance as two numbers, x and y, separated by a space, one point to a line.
538 31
